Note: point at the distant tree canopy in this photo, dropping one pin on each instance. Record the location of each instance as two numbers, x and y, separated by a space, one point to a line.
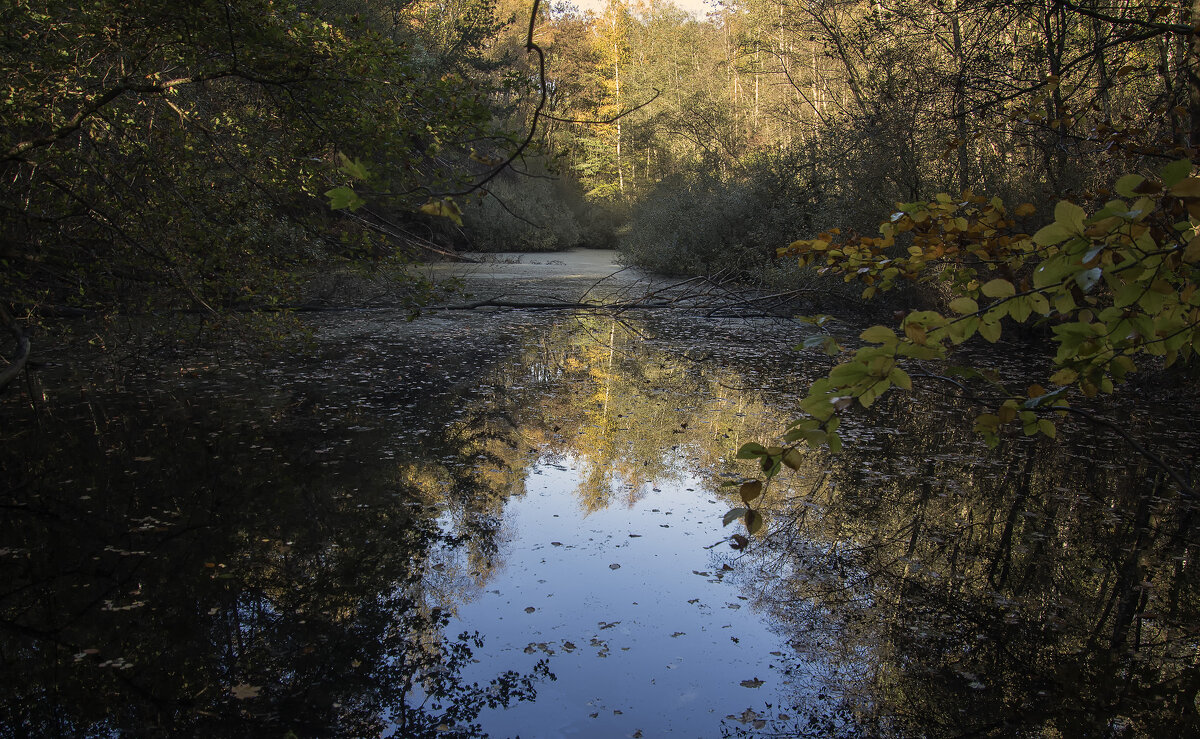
157 144
866 103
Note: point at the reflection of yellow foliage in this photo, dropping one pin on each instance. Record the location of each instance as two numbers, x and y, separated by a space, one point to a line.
627 413
425 479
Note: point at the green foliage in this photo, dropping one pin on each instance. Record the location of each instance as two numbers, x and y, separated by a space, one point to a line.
1117 288
161 156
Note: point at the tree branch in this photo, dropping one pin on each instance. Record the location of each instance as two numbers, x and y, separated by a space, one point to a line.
9 373
1114 20
530 46
606 121
98 103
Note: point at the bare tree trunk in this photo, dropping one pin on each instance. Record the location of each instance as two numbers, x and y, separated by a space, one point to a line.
960 101
1105 82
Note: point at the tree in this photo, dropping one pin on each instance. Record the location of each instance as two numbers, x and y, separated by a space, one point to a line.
159 157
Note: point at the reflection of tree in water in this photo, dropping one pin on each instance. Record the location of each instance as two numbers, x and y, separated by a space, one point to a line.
629 412
961 594
209 566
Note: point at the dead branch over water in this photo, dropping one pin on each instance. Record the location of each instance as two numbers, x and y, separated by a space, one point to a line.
711 297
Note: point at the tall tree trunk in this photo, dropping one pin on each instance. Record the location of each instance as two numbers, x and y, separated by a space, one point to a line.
960 101
1192 71
617 80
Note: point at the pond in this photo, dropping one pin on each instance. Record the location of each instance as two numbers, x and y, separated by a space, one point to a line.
509 522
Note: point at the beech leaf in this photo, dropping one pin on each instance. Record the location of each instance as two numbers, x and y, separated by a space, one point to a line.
879 335
998 288
750 490
964 305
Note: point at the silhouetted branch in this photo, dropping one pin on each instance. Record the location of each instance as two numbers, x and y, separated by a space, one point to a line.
606 121
9 373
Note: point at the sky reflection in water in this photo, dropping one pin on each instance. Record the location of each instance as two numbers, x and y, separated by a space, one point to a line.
646 632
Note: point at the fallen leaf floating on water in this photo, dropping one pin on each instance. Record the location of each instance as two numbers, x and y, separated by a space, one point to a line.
244 691
751 683
749 716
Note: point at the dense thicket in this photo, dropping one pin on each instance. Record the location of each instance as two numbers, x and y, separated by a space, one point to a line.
159 155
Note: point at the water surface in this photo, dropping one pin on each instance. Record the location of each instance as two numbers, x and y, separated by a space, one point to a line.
509 522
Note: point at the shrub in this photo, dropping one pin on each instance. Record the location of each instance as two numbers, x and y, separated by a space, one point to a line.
699 223
523 213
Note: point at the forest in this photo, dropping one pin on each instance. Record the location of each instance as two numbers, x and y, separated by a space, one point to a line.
258 453
162 158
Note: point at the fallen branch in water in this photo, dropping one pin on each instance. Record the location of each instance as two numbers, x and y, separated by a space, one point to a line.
382 225
522 305
711 297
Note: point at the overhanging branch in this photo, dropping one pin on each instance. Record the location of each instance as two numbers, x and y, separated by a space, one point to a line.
9 373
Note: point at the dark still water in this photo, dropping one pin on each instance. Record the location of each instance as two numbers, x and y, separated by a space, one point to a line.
510 523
